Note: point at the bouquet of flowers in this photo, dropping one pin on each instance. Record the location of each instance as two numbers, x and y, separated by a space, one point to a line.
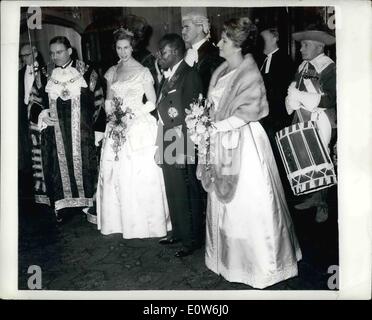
118 120
199 124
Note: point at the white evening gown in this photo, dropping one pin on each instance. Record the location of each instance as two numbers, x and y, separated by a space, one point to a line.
131 196
251 239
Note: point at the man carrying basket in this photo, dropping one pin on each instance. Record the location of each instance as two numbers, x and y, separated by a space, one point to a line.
313 95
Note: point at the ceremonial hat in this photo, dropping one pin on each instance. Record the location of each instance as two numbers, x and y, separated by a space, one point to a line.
315 33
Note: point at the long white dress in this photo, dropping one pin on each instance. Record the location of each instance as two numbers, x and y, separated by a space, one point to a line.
251 239
131 196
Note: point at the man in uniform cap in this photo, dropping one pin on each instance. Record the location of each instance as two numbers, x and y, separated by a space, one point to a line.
313 95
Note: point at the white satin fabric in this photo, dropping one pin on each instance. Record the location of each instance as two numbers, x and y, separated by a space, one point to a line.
131 195
251 239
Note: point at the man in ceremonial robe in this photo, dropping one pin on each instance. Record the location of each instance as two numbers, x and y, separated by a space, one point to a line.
70 127
313 95
31 182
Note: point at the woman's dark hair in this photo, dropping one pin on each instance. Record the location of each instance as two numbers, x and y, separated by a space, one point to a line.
61 39
123 34
242 32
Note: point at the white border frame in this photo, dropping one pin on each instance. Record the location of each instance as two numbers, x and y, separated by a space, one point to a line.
354 66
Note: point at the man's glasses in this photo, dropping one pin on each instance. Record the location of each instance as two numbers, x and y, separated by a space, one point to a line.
58 53
25 55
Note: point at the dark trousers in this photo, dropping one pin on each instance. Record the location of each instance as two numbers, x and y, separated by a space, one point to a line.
185 204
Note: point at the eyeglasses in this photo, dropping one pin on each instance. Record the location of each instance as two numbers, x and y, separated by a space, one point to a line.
25 55
59 52
162 53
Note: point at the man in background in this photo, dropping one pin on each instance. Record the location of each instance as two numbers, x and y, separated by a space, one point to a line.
277 72
313 95
31 184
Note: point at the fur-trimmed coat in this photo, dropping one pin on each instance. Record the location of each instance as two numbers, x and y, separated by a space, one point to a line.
245 98
245 95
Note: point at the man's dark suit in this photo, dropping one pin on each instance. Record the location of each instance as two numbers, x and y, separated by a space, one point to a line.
277 81
208 61
182 186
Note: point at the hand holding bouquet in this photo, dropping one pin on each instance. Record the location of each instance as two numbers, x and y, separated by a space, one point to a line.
118 121
200 126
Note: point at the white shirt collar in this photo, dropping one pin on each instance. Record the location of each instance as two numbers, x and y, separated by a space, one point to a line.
272 52
321 62
171 71
317 58
29 67
68 64
268 61
198 44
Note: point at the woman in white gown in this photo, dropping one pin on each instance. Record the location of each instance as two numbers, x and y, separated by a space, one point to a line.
250 236
131 195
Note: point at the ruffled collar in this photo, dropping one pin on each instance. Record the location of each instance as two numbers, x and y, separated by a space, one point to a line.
65 83
320 63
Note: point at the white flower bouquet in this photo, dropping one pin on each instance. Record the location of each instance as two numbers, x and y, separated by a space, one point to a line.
118 121
199 125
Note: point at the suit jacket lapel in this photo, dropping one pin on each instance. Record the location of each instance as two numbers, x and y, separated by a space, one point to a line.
202 52
170 84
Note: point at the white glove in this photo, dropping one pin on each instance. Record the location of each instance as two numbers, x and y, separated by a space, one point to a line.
45 120
228 124
291 104
98 136
108 106
308 100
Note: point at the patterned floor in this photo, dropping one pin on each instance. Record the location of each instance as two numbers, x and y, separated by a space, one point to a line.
75 256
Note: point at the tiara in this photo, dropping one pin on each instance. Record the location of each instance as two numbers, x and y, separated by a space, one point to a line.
124 30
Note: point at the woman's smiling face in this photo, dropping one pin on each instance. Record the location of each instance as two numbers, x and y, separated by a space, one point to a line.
124 49
226 46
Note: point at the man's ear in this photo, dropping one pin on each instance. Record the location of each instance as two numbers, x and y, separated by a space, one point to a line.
69 50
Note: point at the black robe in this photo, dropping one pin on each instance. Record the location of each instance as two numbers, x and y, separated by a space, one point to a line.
31 183
68 150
